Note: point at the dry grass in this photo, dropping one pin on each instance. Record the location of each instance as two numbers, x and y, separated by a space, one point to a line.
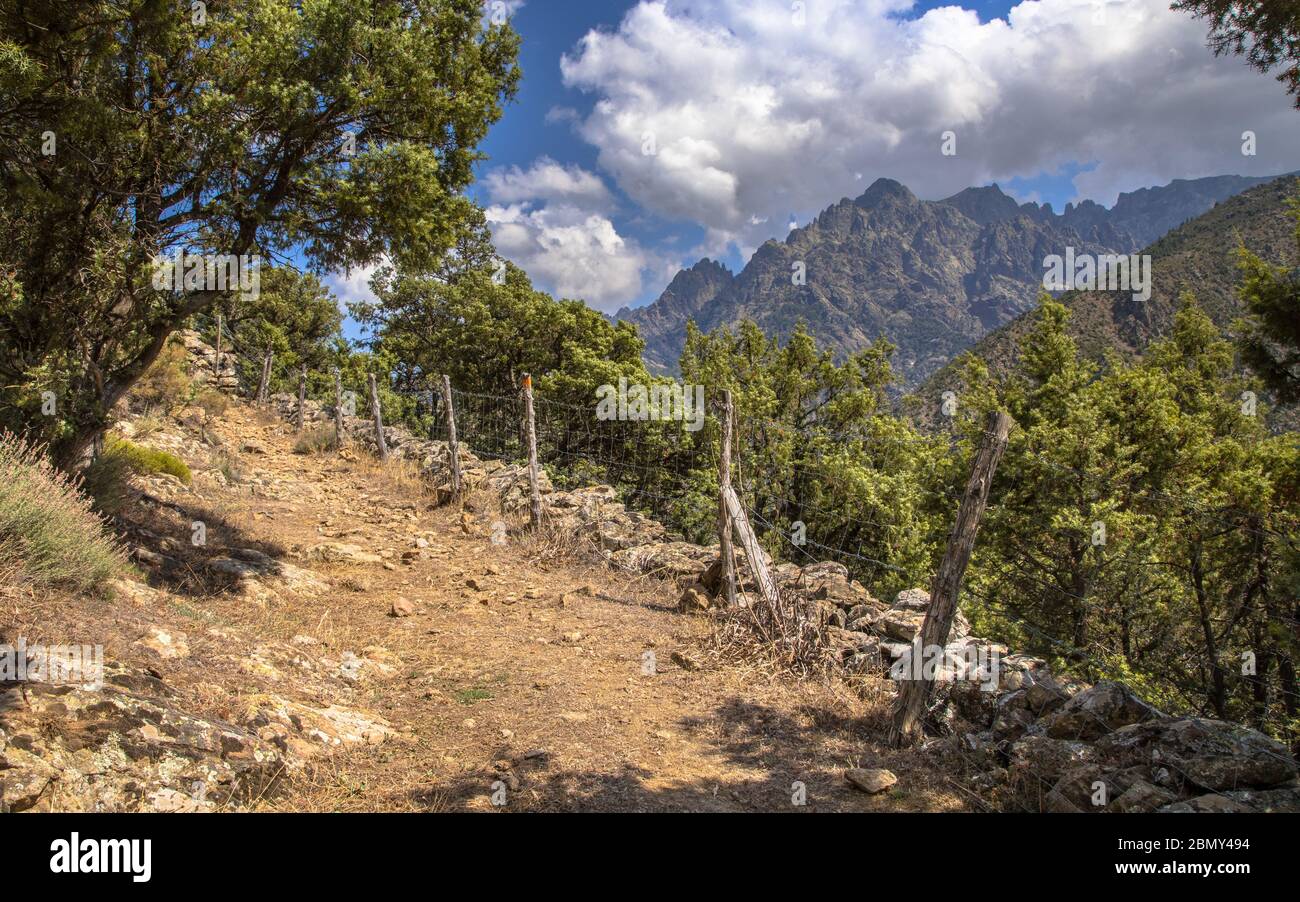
788 636
165 385
48 529
396 475
318 439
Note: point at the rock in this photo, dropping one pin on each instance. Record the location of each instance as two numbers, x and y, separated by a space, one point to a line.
1042 758
1208 804
913 599
126 746
1099 711
668 560
902 625
870 780
402 608
1210 754
301 729
166 644
846 643
1078 788
1042 693
694 598
685 660
1141 797
336 552
1284 799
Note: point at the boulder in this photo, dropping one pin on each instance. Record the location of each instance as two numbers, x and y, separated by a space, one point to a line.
127 745
1208 804
678 561
1099 711
1210 754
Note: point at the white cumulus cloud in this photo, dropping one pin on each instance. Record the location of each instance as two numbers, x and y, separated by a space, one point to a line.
572 252
555 221
732 113
547 180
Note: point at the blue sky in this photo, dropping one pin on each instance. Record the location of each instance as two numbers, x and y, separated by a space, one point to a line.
648 134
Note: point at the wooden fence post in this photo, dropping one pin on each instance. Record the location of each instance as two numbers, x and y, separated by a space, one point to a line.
530 434
264 387
216 378
338 407
452 446
914 693
302 398
380 444
726 552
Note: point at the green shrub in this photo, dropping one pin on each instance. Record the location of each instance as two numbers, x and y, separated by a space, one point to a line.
146 460
49 535
316 440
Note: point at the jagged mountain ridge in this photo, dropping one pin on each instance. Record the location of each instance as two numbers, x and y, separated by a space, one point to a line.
1198 256
931 276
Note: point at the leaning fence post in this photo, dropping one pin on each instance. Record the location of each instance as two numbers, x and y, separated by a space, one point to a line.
726 552
452 446
380 444
264 387
753 551
530 435
913 693
302 398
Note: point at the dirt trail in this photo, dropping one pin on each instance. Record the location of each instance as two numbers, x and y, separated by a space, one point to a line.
523 670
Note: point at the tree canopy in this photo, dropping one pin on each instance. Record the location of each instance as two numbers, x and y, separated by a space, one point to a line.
344 129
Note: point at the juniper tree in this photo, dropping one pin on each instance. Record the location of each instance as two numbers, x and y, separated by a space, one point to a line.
343 128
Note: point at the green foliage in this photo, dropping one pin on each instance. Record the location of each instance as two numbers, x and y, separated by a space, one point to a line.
49 536
294 317
1142 525
147 461
346 129
1270 332
1144 521
482 323
820 447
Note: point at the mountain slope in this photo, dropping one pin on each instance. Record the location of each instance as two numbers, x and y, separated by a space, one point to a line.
1199 257
924 274
931 276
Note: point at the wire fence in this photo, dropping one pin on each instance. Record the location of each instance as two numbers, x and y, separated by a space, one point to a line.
1117 608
